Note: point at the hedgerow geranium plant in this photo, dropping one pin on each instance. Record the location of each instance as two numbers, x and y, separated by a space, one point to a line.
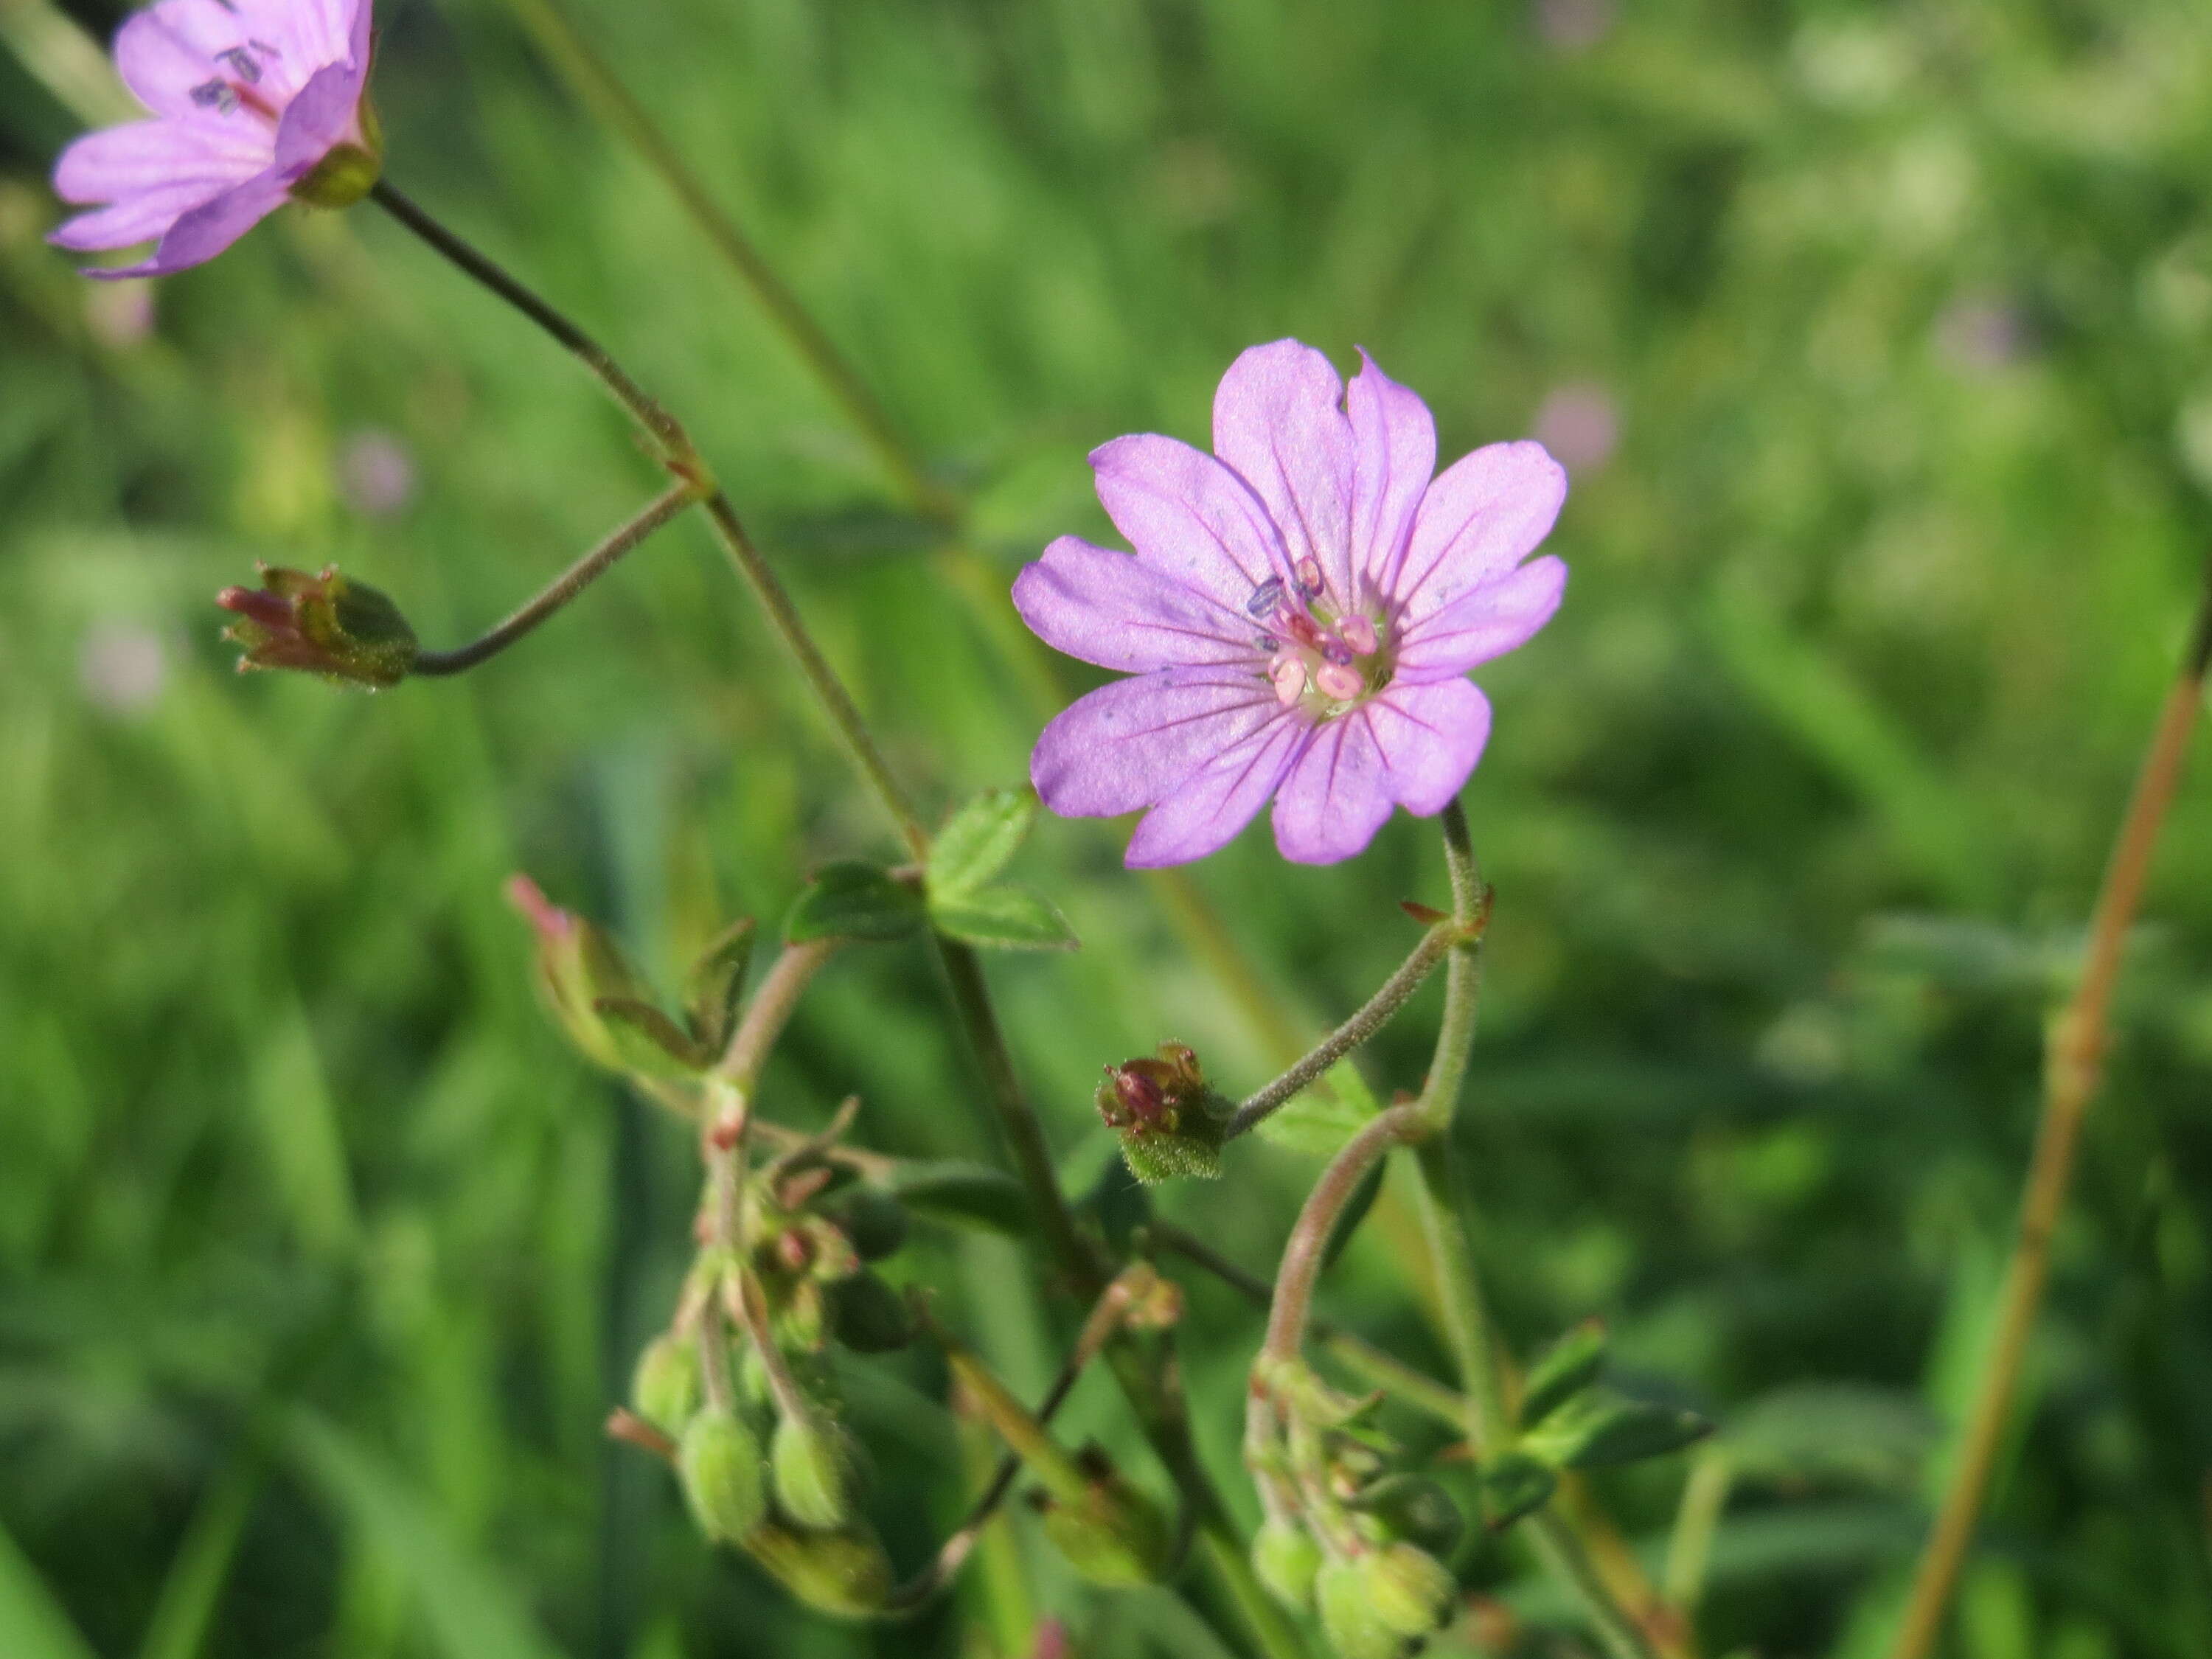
1296 617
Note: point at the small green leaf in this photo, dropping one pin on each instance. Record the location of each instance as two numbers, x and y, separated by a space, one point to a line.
1597 1429
851 899
1514 1484
711 989
1005 918
1564 1371
646 1040
978 840
964 1194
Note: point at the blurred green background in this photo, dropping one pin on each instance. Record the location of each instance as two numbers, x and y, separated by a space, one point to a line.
1876 338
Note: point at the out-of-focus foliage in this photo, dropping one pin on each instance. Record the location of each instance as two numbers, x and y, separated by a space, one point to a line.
1877 338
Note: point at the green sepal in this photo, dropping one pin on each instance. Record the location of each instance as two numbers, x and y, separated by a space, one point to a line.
1348 1618
719 1460
1002 919
1600 1429
1563 1370
978 840
818 1473
717 979
665 1386
1410 1591
648 1042
853 899
1515 1483
1286 1561
844 1574
1153 1158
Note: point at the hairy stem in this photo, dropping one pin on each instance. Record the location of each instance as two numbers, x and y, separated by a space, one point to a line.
1309 1241
571 582
2072 1067
1435 945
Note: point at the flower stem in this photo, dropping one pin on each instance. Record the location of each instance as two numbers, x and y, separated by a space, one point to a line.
2072 1065
571 582
1436 944
1302 1251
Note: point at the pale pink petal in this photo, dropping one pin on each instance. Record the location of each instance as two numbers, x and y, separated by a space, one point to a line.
207 230
1483 515
139 218
1393 449
1207 809
310 34
1188 517
1277 420
167 50
1335 798
1487 621
115 162
1132 743
1428 738
1115 611
326 111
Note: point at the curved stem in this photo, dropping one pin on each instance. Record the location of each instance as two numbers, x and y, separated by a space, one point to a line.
774 1001
1435 945
1440 1092
1309 1241
2072 1065
571 582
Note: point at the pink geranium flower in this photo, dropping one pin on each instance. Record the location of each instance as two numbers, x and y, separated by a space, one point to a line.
1299 616
253 102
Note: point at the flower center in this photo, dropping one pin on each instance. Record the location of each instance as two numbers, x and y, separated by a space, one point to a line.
1327 661
236 82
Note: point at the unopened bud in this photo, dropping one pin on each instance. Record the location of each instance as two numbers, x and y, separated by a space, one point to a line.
719 1460
1170 1121
874 1221
665 1387
844 1574
1410 1591
801 1324
817 1469
868 1316
324 624
1285 1559
578 967
1348 1618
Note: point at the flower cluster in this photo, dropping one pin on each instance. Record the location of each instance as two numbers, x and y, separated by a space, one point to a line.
1299 617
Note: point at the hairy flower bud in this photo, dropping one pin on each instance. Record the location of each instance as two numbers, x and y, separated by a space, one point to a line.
869 1316
816 1467
665 1388
874 1221
324 624
1348 1618
578 967
1410 1591
719 1460
844 1574
1285 1559
1170 1121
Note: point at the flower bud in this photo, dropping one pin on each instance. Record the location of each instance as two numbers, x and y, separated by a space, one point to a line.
719 1460
665 1388
1285 1559
1409 1590
868 1316
844 1574
1170 1121
816 1470
1348 1619
324 624
578 967
874 1221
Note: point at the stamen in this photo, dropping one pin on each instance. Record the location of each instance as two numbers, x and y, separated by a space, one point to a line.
1264 598
1289 675
1359 633
1337 652
217 95
242 62
1310 577
1338 682
1265 643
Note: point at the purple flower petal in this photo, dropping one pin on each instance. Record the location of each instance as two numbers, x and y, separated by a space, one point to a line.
207 230
1393 455
1132 743
1116 610
1336 797
1429 738
1483 515
1486 621
1207 809
1188 517
324 114
1277 422
119 162
165 50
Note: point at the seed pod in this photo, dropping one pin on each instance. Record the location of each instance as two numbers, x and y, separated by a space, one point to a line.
720 1462
1285 1559
868 1316
1348 1619
1410 1591
816 1470
665 1387
844 1574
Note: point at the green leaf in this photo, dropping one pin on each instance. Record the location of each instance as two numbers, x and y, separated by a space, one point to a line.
1004 918
711 989
1597 1430
964 1194
1514 1484
978 840
853 899
33 1625
1319 1121
1564 1371
648 1041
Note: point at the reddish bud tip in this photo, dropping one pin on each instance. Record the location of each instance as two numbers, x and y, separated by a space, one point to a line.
1427 914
